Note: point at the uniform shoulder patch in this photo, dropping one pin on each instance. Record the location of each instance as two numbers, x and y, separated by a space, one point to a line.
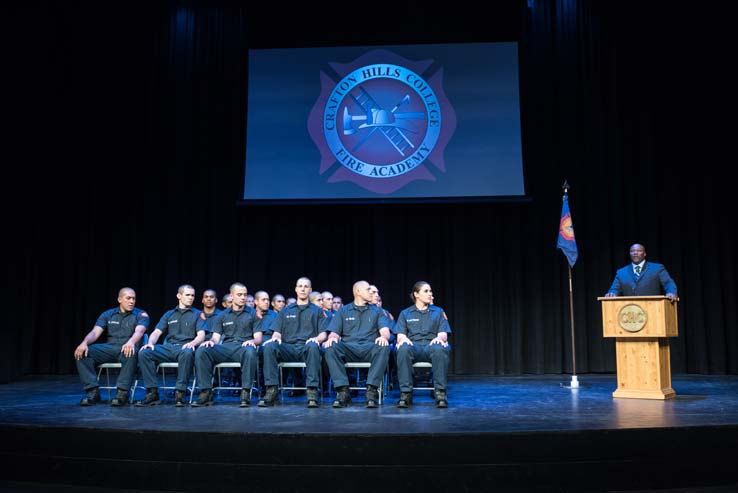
144 314
444 315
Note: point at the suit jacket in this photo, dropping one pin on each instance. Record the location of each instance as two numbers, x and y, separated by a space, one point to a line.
653 281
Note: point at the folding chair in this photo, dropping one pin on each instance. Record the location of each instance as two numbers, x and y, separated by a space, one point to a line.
115 366
423 364
358 365
163 366
233 364
296 364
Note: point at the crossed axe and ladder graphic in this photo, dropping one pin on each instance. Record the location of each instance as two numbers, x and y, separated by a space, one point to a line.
381 119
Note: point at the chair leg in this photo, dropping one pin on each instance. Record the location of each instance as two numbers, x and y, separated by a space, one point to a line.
281 385
107 381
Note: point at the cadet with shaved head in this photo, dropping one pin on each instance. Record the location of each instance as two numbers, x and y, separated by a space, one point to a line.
125 326
185 329
296 336
235 338
359 331
278 302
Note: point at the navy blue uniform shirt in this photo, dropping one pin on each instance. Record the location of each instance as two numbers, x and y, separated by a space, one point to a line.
422 325
235 326
181 325
207 317
264 325
121 325
325 323
298 323
359 323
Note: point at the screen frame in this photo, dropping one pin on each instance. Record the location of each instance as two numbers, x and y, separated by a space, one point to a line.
525 197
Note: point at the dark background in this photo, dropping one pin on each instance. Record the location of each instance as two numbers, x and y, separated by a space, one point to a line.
124 152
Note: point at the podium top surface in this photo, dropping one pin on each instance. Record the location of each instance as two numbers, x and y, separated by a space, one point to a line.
626 298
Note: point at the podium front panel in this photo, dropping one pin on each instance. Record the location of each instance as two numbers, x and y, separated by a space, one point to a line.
638 317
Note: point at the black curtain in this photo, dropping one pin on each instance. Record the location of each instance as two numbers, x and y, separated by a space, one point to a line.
126 155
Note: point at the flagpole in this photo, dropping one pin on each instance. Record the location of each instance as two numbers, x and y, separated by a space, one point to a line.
574 378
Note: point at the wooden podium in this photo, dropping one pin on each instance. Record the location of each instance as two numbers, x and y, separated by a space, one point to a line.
641 326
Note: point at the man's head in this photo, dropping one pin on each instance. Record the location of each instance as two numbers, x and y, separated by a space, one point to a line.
227 300
362 293
327 300
209 298
291 301
185 295
375 294
637 253
303 287
316 298
249 300
126 299
239 292
337 302
278 302
261 301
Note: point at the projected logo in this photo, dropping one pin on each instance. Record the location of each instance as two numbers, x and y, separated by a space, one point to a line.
383 122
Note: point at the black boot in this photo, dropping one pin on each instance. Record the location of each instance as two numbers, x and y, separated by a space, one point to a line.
312 397
205 398
120 399
270 397
179 398
372 396
440 396
406 399
150 399
92 397
245 398
343 397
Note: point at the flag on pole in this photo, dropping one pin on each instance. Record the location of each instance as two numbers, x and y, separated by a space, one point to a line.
567 243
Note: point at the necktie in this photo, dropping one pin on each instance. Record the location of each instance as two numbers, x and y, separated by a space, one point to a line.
638 270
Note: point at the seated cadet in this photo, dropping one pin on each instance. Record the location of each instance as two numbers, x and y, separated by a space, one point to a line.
227 300
422 335
235 327
327 302
265 316
278 302
209 305
185 329
358 332
391 366
264 319
126 325
337 303
316 298
209 309
296 336
329 312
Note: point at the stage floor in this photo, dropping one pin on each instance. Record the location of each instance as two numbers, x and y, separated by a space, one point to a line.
526 433
478 404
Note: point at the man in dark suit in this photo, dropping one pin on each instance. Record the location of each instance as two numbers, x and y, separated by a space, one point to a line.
642 278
